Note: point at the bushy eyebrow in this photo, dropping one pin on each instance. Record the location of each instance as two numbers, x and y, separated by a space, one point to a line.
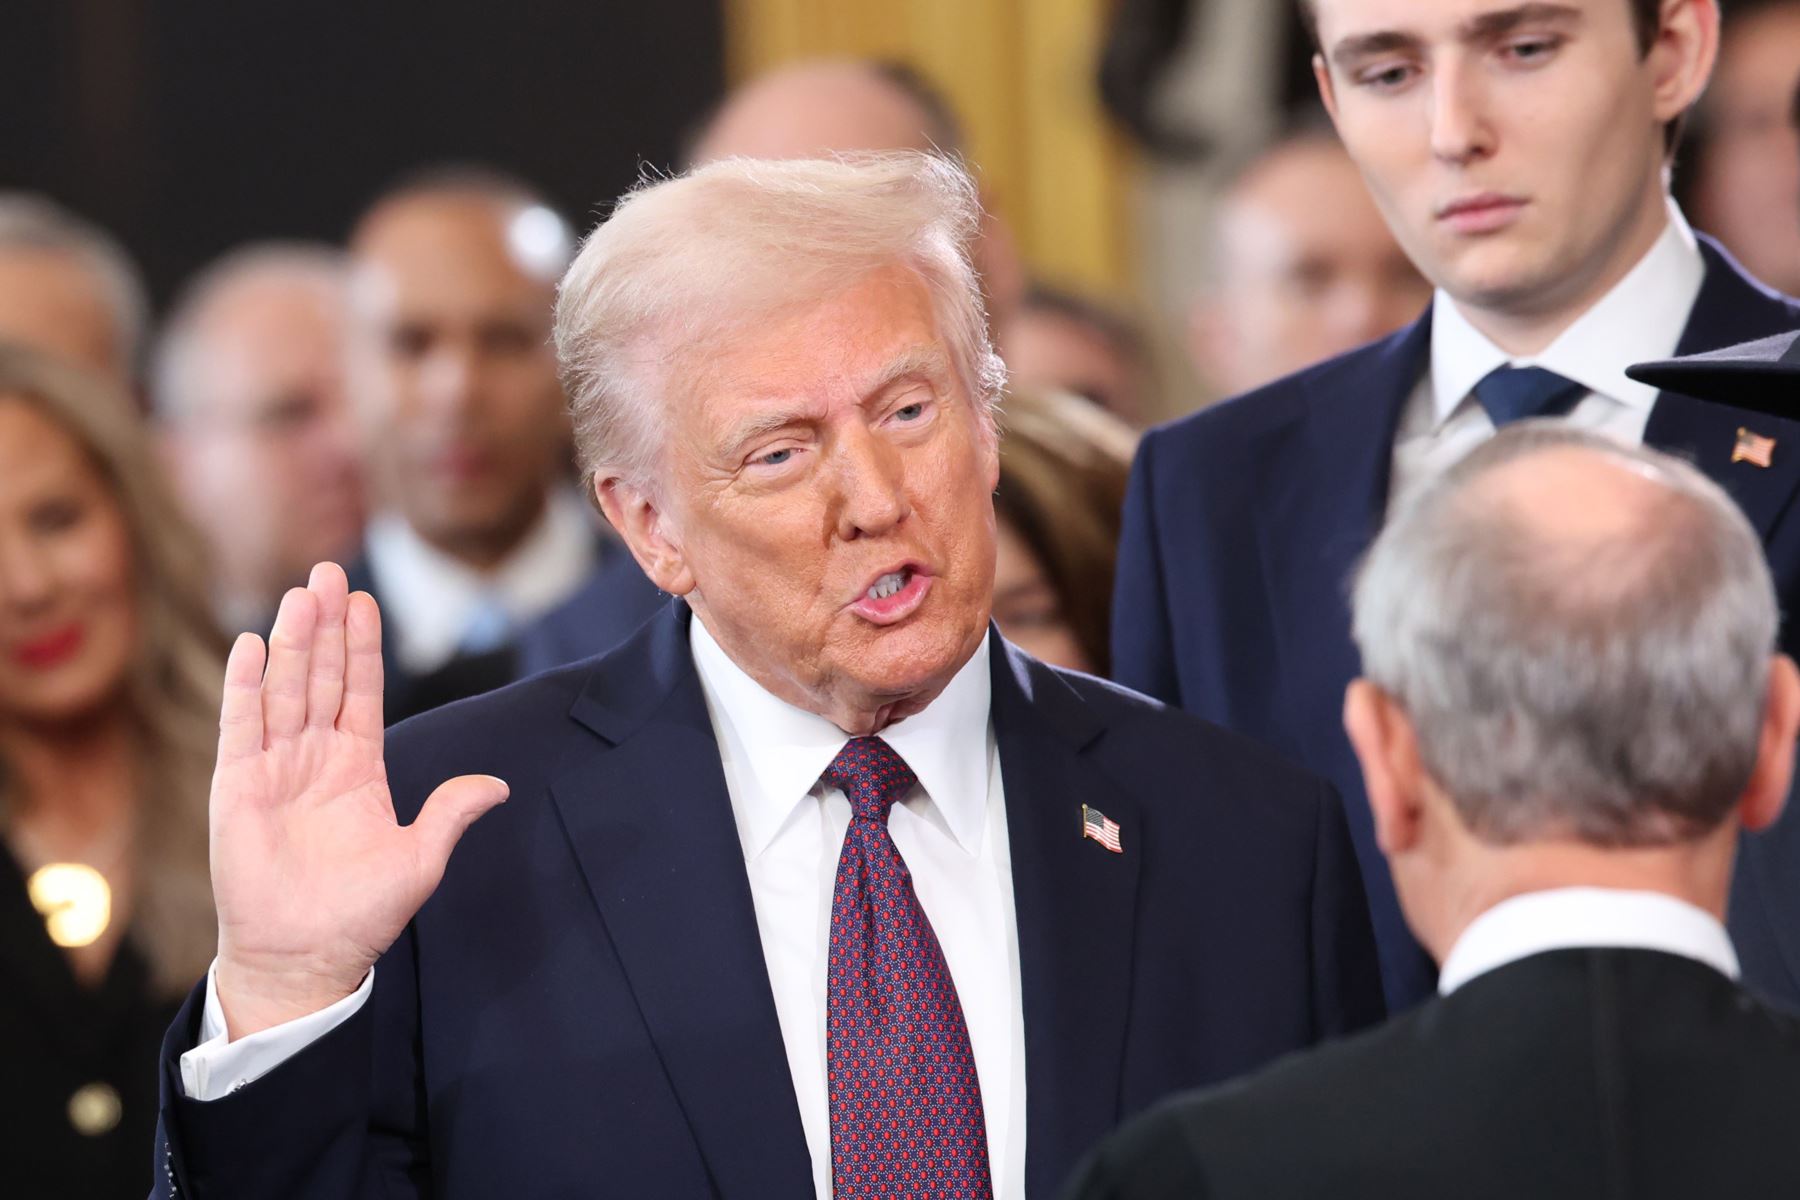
1480 29
916 362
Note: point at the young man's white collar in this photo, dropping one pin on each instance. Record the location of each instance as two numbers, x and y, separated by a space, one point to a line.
786 748
1641 318
1586 918
430 598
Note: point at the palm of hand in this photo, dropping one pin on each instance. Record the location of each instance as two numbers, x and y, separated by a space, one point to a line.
313 876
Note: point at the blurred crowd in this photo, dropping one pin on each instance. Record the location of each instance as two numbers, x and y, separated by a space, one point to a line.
392 403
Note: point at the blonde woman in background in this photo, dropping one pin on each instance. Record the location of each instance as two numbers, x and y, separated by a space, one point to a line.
1064 462
110 675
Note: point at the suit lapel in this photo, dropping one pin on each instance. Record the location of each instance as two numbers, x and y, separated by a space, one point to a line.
1319 520
646 808
1075 904
1731 308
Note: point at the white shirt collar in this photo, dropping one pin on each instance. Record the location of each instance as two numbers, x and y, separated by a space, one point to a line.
1641 318
786 748
431 597
1575 918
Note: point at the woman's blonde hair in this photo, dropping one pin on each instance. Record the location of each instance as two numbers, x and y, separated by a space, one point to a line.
1064 464
176 673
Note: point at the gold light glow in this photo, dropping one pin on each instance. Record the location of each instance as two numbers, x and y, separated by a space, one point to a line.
75 901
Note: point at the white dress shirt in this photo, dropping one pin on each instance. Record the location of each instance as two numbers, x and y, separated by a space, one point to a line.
429 599
1586 918
1640 319
951 830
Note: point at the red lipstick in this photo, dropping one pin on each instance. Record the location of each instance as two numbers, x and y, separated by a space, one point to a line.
51 650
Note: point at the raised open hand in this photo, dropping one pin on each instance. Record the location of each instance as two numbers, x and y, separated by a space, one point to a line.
312 874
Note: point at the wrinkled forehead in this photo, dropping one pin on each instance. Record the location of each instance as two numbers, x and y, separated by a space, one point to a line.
847 343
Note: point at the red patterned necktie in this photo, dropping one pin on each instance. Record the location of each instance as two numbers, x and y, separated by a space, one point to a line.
906 1116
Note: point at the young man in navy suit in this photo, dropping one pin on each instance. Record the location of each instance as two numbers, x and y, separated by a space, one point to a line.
1519 152
814 886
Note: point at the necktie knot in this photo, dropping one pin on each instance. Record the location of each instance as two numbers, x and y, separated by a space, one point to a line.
871 777
1516 393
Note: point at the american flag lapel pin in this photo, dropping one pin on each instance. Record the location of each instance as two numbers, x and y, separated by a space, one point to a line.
1102 828
1753 448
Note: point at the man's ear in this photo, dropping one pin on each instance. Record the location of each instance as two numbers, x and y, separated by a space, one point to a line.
634 515
1388 749
1683 54
1327 93
1766 793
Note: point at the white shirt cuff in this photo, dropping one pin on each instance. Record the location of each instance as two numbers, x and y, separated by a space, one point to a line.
219 1066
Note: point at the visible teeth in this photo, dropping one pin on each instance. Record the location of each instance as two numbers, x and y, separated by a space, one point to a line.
887 585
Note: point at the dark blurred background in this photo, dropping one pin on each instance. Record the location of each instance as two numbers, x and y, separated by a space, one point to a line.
188 127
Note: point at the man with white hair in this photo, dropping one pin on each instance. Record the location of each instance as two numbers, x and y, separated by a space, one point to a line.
1571 704
247 387
67 287
815 886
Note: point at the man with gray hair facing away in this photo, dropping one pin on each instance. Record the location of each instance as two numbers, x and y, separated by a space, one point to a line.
1571 705
814 886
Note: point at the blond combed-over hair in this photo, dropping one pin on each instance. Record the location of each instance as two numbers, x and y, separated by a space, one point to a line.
683 263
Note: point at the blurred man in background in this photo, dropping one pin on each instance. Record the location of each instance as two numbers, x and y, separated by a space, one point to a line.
1303 267
68 288
247 386
1746 190
824 106
1572 703
477 530
1067 342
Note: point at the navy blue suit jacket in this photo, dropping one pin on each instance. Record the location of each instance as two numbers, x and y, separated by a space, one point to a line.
610 607
583 1007
1243 524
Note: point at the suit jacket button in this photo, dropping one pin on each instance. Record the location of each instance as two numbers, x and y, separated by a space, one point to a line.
94 1110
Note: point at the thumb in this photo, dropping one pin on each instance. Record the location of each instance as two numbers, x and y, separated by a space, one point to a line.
448 813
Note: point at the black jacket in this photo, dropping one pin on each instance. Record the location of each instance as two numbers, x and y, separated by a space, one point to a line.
1585 1074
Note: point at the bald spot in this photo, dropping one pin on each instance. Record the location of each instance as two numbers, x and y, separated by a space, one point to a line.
813 109
1601 527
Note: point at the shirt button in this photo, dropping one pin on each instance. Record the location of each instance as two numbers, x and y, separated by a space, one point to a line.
94 1109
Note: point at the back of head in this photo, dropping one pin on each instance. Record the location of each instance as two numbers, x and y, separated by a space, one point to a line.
683 262
68 287
1581 636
